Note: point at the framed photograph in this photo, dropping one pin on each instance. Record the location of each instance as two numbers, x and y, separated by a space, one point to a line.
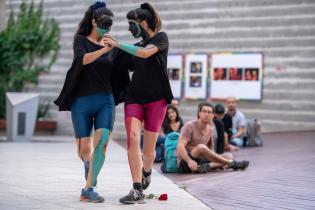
236 74
219 73
195 81
251 74
175 74
196 66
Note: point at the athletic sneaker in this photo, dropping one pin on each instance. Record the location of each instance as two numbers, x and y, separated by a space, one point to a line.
146 180
239 165
204 168
90 196
134 196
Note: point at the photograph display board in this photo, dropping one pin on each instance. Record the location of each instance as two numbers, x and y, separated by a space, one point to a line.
236 74
196 66
175 74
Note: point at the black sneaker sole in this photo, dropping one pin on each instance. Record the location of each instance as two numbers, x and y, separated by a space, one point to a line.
241 169
133 202
92 201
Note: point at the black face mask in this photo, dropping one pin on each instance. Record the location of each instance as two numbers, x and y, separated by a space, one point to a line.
137 30
104 23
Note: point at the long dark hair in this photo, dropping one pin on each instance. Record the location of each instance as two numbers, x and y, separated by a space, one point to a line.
148 13
172 107
97 11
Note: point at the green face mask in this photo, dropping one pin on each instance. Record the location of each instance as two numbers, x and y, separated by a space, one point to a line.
101 32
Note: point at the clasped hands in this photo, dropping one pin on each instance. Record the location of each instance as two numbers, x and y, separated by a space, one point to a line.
109 40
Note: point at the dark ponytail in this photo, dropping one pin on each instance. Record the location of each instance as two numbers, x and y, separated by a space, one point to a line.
155 23
148 13
85 25
97 11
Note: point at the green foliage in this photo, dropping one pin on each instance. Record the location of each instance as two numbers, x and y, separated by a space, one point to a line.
43 108
28 46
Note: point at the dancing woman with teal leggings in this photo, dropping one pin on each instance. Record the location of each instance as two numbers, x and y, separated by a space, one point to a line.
88 93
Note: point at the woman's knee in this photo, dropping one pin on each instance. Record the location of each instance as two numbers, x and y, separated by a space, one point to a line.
149 154
133 140
84 147
134 145
85 153
134 135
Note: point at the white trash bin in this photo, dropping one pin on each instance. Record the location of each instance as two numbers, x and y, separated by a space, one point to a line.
21 114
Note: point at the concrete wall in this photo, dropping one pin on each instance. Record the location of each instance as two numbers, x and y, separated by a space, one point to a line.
2 14
282 29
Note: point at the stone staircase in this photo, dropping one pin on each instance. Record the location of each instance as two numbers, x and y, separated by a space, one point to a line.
283 30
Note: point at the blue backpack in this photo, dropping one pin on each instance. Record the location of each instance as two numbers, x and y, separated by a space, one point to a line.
169 164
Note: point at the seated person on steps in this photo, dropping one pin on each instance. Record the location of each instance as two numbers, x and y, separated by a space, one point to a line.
195 149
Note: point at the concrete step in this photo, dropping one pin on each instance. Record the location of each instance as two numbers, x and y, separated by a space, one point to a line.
287 104
65 14
274 49
213 13
270 53
245 8
224 44
226 23
121 6
293 75
294 116
206 34
234 33
284 126
70 22
243 22
291 84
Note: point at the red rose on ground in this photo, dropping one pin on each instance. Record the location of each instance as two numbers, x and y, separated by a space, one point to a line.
163 197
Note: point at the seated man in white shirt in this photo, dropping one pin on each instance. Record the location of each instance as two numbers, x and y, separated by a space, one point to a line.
239 122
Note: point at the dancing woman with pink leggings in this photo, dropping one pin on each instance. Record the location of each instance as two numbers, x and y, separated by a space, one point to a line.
147 95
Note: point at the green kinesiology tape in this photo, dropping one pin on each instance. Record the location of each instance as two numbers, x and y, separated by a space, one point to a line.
129 48
98 155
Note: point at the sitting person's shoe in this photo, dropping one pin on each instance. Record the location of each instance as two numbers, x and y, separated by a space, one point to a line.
239 165
203 168
146 180
134 196
90 196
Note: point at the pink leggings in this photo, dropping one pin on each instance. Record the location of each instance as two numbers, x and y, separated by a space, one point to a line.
152 114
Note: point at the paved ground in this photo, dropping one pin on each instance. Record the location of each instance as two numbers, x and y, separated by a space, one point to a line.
281 175
49 176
